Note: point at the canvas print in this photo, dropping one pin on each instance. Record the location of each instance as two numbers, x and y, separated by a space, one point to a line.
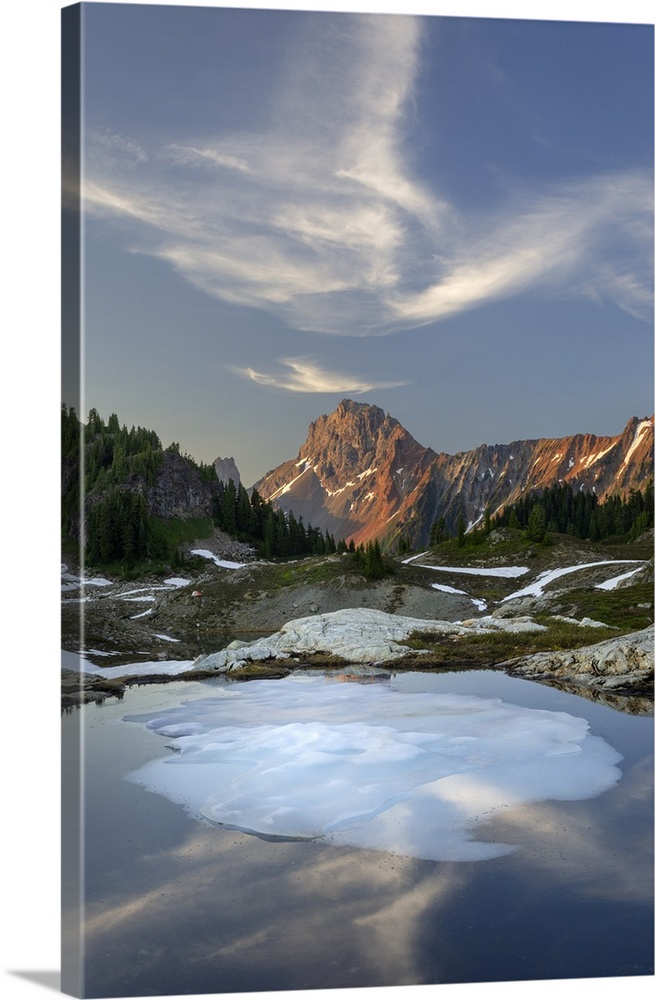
357 500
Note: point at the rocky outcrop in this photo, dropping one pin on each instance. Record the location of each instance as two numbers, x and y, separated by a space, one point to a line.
179 489
355 635
621 664
361 475
226 469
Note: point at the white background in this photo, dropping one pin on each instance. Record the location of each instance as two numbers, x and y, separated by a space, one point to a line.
29 455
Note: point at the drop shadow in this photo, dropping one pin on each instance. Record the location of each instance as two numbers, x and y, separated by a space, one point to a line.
50 980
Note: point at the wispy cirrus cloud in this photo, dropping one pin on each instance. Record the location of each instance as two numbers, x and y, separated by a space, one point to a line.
321 219
306 375
576 239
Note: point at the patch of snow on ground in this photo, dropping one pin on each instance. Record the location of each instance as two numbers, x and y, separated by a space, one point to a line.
370 766
177 581
536 589
140 590
167 638
507 572
71 581
446 589
225 563
74 661
141 615
611 584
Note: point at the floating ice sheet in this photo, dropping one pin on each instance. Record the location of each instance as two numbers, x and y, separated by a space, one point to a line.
370 766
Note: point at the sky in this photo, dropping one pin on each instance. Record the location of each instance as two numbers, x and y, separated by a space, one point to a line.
449 217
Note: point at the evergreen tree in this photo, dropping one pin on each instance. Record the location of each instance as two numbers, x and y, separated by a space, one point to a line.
536 524
438 532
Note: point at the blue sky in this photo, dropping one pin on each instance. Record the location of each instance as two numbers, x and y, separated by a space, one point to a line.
449 217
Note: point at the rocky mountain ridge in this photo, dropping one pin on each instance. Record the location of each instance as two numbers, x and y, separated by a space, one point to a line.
361 475
226 469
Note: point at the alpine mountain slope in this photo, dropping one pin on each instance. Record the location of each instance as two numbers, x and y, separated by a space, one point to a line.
360 474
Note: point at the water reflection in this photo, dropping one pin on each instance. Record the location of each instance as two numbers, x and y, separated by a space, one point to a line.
178 906
232 906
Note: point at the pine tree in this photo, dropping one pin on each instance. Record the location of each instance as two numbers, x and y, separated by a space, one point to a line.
438 532
536 524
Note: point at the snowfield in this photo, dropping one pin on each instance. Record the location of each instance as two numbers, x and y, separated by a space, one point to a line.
536 589
78 661
616 580
225 563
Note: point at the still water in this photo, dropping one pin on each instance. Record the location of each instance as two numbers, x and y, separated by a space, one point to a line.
178 900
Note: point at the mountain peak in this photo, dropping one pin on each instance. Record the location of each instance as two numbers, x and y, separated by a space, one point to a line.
354 471
350 406
361 475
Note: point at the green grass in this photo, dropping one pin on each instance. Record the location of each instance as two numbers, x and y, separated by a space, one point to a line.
619 607
515 547
176 531
496 647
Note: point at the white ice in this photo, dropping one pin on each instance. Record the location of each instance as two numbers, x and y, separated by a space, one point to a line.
225 563
370 765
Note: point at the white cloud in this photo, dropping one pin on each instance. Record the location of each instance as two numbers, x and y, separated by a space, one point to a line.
194 155
566 239
320 219
305 375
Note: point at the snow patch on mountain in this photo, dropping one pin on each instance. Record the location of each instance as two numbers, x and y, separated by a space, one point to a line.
643 427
